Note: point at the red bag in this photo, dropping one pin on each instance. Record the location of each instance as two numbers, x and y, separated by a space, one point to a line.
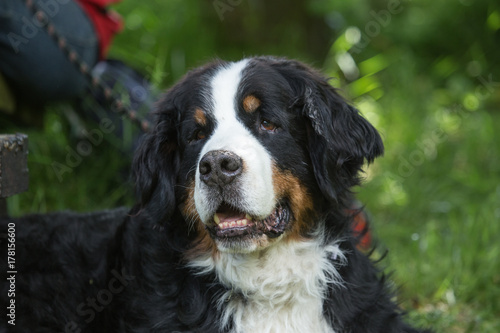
107 23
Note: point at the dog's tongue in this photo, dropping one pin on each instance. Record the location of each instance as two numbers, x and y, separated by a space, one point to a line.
230 218
229 214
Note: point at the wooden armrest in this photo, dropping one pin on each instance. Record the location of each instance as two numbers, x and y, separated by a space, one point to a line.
14 176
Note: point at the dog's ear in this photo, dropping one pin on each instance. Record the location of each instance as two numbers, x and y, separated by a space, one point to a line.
156 163
340 140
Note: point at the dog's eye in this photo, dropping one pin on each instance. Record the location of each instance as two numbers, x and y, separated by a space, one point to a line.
198 135
268 126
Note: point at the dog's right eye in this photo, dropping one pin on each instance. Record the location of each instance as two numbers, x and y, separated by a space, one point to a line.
198 135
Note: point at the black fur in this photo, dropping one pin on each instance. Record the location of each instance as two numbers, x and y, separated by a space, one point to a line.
125 272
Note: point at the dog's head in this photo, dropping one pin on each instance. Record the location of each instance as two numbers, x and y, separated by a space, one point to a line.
247 152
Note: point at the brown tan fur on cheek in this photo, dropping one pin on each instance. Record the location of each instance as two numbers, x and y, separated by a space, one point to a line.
286 185
203 243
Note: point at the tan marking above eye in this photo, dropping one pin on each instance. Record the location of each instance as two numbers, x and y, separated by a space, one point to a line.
200 117
251 103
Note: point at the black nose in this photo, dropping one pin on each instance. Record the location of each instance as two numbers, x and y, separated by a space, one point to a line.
220 167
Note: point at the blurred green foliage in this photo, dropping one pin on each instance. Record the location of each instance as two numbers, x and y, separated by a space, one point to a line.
425 73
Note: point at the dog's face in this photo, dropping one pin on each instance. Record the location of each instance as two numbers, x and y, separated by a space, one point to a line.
249 151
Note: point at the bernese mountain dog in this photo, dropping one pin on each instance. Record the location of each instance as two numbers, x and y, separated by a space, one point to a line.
243 221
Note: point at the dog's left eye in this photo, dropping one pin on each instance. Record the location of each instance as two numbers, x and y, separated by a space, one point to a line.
268 126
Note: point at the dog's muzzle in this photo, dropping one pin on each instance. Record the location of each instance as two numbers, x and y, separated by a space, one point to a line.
235 199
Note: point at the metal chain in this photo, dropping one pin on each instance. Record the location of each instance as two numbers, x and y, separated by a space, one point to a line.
95 82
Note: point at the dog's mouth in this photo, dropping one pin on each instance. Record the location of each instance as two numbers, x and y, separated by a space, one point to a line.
229 222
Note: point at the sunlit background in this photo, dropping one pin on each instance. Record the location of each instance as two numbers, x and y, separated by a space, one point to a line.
425 73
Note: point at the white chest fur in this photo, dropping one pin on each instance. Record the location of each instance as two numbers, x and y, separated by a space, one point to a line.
280 289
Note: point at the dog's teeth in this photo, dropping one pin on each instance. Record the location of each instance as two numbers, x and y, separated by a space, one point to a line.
248 217
231 224
216 219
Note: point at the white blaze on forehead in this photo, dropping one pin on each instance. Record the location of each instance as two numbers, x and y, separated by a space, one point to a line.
256 195
224 88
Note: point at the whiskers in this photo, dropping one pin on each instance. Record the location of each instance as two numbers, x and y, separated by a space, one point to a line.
189 210
191 215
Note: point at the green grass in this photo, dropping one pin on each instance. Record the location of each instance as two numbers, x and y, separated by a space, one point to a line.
99 180
436 204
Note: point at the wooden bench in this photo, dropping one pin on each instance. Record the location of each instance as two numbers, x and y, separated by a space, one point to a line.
14 177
